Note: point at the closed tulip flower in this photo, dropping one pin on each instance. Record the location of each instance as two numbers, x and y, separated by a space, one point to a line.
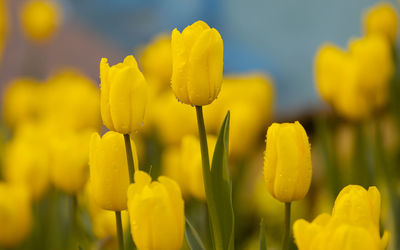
109 175
287 162
354 223
40 19
156 212
382 19
197 64
123 95
15 215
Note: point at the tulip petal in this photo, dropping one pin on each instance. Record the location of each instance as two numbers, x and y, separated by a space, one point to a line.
105 94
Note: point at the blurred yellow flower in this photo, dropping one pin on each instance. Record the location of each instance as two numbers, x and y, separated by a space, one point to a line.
156 61
72 100
197 64
355 83
156 212
382 19
40 19
123 95
287 162
27 159
15 215
172 119
184 165
21 101
109 174
3 26
373 56
354 223
250 99
69 160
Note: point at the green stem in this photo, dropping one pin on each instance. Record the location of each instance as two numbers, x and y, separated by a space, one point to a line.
286 234
129 157
120 233
203 137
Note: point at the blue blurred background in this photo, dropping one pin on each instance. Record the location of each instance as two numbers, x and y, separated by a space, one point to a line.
277 37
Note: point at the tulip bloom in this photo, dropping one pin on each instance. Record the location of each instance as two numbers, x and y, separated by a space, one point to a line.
109 174
197 64
156 212
354 223
40 19
382 19
123 95
15 215
287 162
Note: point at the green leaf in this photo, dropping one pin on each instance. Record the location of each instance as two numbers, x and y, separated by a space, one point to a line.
222 218
262 245
192 237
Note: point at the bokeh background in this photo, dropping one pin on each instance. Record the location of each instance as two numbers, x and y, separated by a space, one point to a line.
278 37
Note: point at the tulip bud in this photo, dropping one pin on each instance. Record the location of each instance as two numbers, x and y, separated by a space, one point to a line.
287 162
156 212
40 19
69 161
197 64
123 95
15 215
109 174
382 19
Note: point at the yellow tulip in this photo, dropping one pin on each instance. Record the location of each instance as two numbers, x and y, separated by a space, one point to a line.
109 174
156 62
355 205
123 95
27 159
354 223
337 77
156 212
287 162
382 19
69 161
374 58
40 19
72 100
21 101
15 215
197 64
3 25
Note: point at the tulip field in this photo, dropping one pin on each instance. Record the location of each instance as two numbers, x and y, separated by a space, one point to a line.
166 149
